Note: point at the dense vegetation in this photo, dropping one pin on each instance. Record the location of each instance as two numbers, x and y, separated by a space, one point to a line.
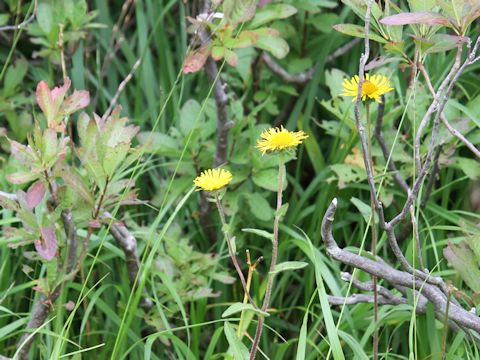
110 109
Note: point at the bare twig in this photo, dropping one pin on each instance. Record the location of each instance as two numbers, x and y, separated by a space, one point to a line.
23 23
221 100
342 50
304 77
299 78
120 88
39 314
365 298
444 119
380 269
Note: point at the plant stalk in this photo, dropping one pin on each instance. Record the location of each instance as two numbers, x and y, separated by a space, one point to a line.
268 292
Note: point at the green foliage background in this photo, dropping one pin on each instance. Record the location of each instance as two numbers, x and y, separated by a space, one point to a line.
190 277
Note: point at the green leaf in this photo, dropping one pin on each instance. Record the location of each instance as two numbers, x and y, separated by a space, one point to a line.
238 11
188 115
45 17
218 53
158 143
358 31
469 167
240 351
462 258
288 265
259 207
267 179
272 12
239 307
364 209
274 45
332 331
14 76
114 157
262 233
282 211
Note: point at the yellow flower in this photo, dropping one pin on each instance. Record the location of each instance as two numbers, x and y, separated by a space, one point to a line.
373 87
279 139
212 179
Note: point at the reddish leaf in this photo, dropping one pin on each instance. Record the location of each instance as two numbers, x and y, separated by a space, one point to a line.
21 177
47 246
50 100
196 59
23 154
78 100
35 194
44 98
231 58
262 3
427 18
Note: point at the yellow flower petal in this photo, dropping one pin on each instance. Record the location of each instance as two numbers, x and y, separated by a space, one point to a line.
212 179
373 87
274 139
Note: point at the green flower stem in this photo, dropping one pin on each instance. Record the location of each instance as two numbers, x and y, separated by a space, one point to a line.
273 263
228 238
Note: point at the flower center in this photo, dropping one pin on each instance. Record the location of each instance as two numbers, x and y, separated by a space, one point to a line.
368 87
282 139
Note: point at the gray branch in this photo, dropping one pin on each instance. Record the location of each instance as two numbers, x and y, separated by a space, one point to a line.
458 315
23 23
303 77
128 243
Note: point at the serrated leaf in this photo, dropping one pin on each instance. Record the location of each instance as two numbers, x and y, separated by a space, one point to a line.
288 265
238 348
358 31
114 157
239 307
78 100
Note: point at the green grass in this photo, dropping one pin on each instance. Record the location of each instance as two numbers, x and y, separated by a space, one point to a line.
107 321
